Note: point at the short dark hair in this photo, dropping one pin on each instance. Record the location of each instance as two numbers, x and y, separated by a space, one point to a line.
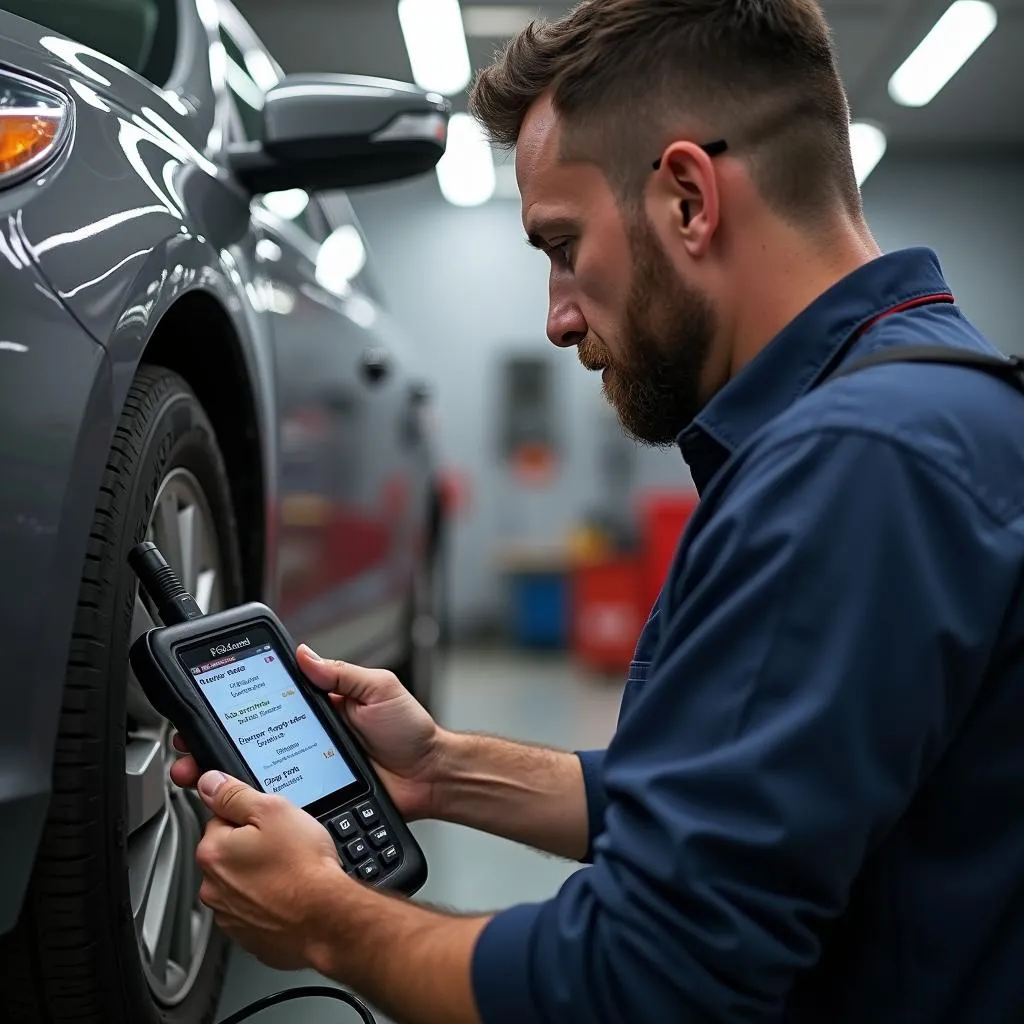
623 74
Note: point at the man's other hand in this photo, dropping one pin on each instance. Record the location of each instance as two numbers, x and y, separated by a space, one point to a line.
269 871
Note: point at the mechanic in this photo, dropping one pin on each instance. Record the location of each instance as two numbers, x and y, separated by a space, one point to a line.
811 807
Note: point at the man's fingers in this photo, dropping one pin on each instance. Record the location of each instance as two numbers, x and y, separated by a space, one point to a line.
364 685
179 744
229 799
185 772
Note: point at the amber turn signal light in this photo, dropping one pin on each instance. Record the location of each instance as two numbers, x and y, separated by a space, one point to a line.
26 135
35 121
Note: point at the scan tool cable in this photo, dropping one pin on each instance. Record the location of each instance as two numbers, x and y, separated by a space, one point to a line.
303 992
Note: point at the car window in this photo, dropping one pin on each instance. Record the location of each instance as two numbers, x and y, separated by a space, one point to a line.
141 34
248 96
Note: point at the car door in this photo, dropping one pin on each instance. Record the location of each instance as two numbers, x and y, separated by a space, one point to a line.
397 463
333 588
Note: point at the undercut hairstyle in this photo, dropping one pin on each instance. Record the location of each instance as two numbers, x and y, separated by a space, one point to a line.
628 77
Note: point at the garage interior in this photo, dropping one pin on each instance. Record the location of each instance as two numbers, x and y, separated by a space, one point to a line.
950 177
558 530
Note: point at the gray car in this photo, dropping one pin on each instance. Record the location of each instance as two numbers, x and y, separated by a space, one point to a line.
194 350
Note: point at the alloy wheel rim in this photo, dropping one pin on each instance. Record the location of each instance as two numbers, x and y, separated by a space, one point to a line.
165 824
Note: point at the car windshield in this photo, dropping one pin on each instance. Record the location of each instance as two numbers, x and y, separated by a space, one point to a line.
141 34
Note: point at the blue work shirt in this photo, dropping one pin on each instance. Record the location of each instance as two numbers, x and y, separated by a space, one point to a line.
812 809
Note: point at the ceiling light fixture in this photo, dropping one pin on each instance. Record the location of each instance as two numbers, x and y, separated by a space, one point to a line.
435 39
496 21
466 171
957 35
868 143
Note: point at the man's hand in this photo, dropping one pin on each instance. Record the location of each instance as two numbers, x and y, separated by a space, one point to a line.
272 878
401 738
526 794
269 872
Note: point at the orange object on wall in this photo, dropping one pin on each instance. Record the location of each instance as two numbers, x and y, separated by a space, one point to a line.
534 465
608 613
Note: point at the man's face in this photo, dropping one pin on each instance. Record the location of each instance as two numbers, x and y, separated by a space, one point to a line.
614 292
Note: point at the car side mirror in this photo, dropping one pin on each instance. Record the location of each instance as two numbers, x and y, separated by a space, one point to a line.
324 132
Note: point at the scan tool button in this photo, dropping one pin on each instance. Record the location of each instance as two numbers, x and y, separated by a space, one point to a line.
380 836
345 825
356 850
367 814
368 870
389 856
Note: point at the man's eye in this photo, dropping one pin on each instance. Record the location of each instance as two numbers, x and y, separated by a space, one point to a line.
564 251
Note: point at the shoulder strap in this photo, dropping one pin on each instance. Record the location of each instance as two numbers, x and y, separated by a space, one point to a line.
1009 369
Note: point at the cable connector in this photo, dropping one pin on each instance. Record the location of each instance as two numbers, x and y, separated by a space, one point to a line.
174 604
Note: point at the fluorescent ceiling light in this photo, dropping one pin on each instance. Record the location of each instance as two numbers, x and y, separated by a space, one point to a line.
868 143
943 52
466 171
496 21
436 41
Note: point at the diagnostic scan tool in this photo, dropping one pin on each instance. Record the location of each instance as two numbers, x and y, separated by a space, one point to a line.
230 684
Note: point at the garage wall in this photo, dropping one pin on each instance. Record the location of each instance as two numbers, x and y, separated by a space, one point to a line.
972 214
465 283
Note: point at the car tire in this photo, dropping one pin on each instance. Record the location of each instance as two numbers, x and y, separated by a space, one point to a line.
77 954
423 662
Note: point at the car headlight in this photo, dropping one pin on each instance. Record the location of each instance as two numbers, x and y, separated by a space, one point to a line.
33 122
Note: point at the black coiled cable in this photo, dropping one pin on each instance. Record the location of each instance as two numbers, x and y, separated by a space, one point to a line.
303 992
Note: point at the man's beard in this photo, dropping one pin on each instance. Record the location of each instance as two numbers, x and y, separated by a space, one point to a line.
656 386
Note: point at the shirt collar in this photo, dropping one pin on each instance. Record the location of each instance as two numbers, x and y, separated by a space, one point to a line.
799 355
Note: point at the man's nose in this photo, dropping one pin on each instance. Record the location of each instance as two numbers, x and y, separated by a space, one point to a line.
567 326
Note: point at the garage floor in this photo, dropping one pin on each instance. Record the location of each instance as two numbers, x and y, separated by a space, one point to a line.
542 700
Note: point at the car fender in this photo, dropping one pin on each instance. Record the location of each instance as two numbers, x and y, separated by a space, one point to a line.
179 267
133 194
159 220
56 416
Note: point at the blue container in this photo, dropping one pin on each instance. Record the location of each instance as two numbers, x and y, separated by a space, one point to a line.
540 609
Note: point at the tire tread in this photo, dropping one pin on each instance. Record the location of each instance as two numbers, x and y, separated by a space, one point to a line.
52 953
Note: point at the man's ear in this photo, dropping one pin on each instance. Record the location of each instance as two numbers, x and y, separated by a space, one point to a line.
686 180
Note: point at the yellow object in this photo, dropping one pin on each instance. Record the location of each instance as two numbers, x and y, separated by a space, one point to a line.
24 134
588 545
311 510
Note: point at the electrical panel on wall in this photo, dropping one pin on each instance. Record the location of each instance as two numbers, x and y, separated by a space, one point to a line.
527 415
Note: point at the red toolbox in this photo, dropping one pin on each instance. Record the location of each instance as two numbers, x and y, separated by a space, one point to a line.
663 517
608 613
